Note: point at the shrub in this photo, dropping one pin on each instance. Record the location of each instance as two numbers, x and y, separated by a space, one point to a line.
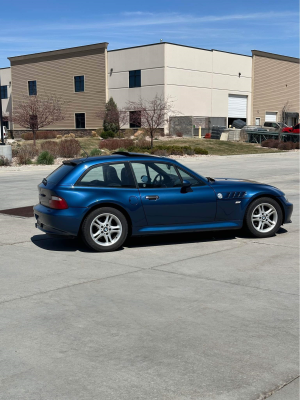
99 131
179 134
190 152
95 152
143 143
266 143
161 153
58 136
114 144
39 135
107 134
72 135
122 149
26 153
128 133
4 161
51 147
296 146
274 144
69 148
45 158
66 136
94 134
286 146
199 150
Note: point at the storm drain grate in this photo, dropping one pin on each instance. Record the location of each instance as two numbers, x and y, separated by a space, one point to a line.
26 212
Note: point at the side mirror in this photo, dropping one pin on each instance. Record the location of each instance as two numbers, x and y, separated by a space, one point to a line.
186 187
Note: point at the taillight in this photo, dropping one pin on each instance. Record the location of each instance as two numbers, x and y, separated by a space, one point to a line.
58 203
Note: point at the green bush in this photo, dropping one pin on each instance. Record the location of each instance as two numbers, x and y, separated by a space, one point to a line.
199 150
107 134
45 158
95 152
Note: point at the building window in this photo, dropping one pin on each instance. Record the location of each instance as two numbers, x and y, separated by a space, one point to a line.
5 123
135 78
80 121
32 88
257 121
135 119
79 83
4 92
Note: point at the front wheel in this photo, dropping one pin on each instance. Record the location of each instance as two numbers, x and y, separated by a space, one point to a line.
263 217
105 229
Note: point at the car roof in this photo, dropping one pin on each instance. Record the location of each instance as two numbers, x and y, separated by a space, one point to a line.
117 156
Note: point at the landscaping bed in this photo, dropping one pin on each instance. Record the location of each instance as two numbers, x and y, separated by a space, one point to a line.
53 151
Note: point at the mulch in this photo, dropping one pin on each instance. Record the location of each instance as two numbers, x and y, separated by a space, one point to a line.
26 212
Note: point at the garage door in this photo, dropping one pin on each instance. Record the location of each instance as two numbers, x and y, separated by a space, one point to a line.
271 117
237 106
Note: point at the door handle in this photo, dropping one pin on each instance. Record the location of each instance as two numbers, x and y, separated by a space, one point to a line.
152 197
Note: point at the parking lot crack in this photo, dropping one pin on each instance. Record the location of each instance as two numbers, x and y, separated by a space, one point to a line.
270 393
222 281
69 286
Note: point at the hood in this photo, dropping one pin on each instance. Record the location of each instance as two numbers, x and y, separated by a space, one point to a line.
247 186
230 181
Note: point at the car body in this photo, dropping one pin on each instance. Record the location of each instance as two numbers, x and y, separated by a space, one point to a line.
153 194
5 134
276 126
294 129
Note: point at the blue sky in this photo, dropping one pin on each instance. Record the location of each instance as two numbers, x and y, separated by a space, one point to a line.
236 26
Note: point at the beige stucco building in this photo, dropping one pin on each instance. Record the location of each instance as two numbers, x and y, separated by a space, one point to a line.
6 88
77 76
275 84
203 83
216 85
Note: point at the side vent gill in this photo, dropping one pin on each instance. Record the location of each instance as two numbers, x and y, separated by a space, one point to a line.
235 195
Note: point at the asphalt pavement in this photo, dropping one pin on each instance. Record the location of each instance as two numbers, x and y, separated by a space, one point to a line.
210 316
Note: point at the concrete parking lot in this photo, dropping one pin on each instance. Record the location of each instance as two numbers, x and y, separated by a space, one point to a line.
210 316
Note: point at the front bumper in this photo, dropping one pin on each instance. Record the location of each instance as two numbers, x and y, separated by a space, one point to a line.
288 210
58 222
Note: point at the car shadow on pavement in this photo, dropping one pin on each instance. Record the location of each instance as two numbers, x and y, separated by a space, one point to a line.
65 244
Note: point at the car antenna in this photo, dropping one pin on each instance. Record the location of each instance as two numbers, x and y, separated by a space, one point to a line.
87 156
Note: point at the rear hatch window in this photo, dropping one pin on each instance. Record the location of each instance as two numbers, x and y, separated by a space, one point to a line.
57 175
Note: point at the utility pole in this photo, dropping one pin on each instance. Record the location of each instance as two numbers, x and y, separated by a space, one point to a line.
1 119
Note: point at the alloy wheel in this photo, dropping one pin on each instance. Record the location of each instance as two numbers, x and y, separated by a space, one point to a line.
106 229
264 217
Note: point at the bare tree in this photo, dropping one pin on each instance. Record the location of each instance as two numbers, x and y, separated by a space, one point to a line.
283 117
150 114
35 112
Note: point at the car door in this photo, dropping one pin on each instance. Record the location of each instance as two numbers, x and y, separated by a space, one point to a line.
164 201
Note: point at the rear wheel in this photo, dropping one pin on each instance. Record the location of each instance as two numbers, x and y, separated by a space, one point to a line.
263 217
105 229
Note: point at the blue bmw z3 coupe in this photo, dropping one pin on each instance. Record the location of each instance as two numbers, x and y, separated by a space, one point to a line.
104 199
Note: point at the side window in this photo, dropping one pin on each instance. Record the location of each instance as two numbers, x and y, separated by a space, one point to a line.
135 78
32 90
108 175
150 175
79 83
188 177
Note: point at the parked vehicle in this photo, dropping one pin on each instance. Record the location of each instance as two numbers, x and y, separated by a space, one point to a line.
294 129
105 199
5 134
276 126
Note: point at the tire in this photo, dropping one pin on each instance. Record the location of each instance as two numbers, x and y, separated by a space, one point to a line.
102 223
263 217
